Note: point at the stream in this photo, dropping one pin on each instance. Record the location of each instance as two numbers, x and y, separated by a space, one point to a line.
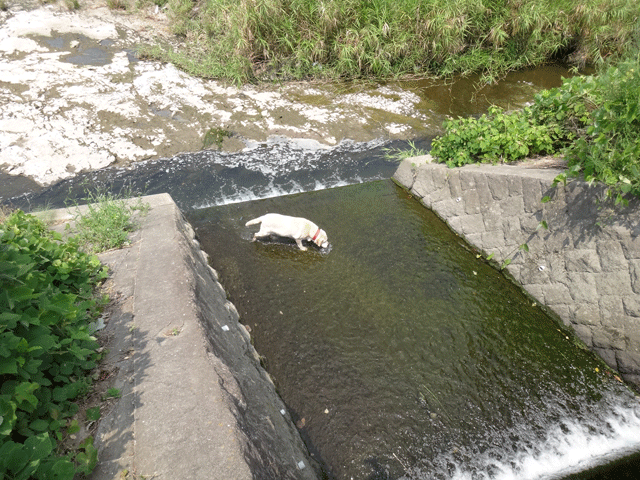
399 354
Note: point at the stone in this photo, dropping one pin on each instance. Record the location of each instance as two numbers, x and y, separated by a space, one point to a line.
472 224
532 194
422 183
498 187
608 355
609 338
471 202
634 275
587 314
582 260
612 257
455 188
514 183
556 294
614 283
582 287
405 174
628 362
512 207
585 334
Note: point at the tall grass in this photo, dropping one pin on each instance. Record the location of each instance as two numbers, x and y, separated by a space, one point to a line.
245 40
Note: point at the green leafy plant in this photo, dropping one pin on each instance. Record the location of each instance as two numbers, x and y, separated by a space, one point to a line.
215 136
47 301
593 121
609 151
497 136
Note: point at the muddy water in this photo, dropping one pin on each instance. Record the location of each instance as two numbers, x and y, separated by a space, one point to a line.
400 355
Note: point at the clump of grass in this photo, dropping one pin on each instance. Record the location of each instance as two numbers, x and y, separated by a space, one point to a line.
398 155
247 40
107 222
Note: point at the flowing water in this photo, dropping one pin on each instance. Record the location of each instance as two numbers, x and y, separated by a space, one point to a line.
401 355
398 352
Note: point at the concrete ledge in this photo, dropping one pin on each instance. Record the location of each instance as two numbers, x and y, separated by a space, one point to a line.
585 268
195 402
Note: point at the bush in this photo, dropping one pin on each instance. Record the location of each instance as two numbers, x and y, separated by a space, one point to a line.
47 302
609 151
594 121
494 137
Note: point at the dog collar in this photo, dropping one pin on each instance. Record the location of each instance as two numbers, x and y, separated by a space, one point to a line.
315 236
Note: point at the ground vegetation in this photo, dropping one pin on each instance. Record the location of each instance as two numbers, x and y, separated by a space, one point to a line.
249 40
592 121
49 351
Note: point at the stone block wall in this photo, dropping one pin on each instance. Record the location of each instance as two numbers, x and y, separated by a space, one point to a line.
584 267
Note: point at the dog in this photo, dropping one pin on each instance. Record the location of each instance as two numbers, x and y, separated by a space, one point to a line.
292 227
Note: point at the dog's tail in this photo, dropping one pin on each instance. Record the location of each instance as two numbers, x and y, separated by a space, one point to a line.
253 222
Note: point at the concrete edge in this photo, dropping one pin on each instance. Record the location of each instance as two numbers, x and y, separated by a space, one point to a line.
196 403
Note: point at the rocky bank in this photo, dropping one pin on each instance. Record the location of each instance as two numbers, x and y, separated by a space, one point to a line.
75 97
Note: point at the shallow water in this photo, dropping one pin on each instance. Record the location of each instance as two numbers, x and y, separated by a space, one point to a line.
401 355
206 178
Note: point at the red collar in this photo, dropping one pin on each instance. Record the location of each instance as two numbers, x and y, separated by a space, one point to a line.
316 235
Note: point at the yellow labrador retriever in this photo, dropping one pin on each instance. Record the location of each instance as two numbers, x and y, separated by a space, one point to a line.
293 227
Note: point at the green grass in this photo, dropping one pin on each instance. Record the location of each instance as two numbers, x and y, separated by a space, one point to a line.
398 154
249 40
106 223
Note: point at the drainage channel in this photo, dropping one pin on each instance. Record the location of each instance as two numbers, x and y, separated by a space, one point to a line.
401 355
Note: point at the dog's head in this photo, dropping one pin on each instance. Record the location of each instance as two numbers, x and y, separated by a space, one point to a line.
320 238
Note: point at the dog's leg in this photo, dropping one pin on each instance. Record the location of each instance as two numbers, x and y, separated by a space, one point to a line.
300 246
260 234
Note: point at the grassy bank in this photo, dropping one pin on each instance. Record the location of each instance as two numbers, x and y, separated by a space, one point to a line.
245 40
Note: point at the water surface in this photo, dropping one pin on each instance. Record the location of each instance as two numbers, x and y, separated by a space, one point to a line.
401 355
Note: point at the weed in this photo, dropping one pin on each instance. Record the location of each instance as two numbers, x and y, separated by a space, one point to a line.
112 393
215 136
399 155
107 222
249 40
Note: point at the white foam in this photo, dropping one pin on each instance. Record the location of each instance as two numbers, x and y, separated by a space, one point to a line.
570 448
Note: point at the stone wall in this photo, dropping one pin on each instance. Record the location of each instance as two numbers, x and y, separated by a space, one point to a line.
584 267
